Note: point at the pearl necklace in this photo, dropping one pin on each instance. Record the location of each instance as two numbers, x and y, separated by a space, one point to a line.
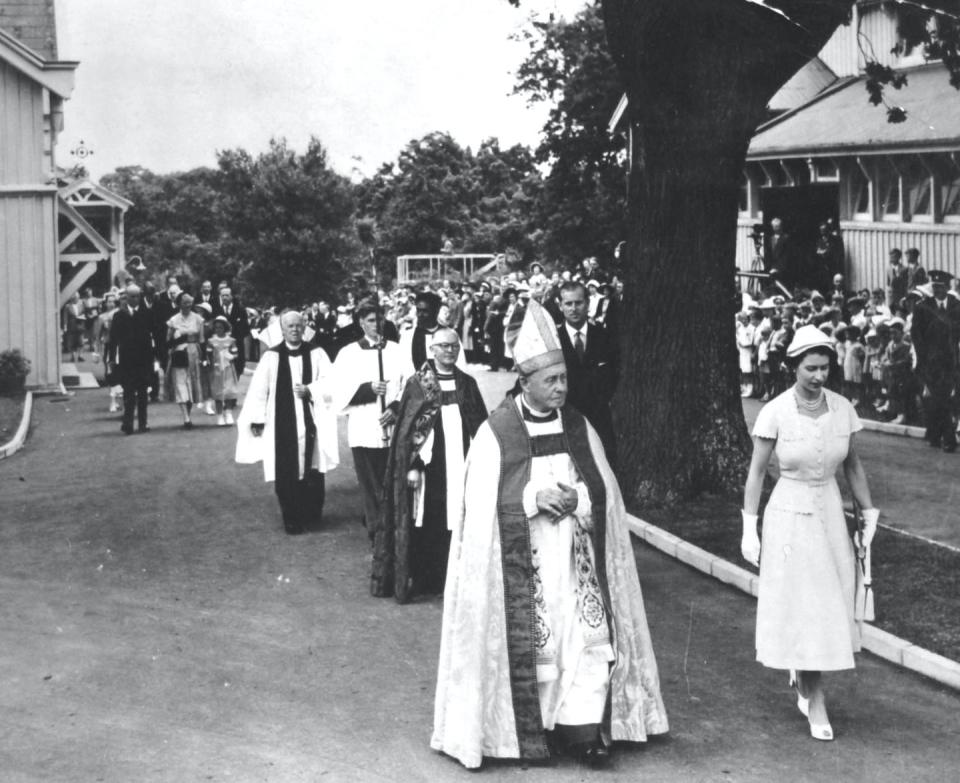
810 405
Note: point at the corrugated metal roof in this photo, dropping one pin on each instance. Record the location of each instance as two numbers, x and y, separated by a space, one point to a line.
843 121
33 23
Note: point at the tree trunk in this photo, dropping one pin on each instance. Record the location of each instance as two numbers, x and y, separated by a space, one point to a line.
698 76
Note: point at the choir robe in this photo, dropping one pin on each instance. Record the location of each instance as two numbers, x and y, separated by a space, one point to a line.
259 408
529 600
358 365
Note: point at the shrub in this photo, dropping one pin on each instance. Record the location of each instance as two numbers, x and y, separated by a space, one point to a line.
14 369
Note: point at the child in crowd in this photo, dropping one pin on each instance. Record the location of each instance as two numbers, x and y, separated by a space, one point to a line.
223 374
872 369
779 340
897 360
854 356
763 362
746 326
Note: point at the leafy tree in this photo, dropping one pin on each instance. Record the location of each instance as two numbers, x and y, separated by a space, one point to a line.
438 191
280 224
583 206
173 223
698 76
287 219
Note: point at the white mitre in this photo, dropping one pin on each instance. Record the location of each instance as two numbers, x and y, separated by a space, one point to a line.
537 344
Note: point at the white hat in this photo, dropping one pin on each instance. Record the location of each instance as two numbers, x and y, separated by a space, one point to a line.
897 321
768 304
807 337
592 282
816 295
536 344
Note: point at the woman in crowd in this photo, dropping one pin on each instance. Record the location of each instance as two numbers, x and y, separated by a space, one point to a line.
805 608
185 339
223 374
73 327
101 343
205 311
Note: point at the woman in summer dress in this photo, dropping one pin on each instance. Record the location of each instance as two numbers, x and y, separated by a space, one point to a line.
184 339
805 607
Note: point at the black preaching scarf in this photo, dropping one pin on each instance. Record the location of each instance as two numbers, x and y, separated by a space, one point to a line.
285 421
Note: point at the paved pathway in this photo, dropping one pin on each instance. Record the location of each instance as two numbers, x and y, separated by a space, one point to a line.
158 625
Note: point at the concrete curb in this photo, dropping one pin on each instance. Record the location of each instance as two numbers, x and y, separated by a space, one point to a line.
20 436
880 643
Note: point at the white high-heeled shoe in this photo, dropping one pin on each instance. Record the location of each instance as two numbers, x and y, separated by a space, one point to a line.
821 731
803 703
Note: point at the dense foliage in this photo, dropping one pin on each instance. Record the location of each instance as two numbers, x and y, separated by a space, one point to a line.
583 208
438 192
279 226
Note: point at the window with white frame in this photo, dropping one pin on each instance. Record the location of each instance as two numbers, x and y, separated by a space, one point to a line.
861 207
918 189
889 200
948 185
825 170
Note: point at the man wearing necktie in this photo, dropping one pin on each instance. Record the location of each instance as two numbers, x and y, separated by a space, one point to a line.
287 423
935 332
592 367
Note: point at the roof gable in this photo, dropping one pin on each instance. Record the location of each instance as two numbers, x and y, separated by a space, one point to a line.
33 23
56 76
841 120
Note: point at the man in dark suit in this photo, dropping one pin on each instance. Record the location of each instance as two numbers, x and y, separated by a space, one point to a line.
132 354
236 314
936 332
781 257
205 296
592 364
163 310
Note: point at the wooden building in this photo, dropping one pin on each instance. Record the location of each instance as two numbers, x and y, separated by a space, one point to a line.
33 86
887 185
826 152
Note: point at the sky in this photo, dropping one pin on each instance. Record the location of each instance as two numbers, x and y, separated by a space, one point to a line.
166 83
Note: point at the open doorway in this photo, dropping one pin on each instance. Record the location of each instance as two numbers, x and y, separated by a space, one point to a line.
802 209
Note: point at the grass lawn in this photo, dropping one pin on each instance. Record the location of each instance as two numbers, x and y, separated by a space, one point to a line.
916 585
11 409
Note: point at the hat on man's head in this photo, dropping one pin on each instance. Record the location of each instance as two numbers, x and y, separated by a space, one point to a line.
768 304
535 343
897 321
816 295
939 276
807 337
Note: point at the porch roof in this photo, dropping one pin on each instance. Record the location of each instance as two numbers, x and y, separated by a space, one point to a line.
842 121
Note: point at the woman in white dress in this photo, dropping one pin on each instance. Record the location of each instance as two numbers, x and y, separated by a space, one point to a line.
805 607
185 338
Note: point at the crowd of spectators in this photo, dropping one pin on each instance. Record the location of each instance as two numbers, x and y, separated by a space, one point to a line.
224 332
884 357
479 310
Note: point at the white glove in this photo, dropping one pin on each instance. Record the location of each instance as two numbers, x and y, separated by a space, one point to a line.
750 541
870 517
